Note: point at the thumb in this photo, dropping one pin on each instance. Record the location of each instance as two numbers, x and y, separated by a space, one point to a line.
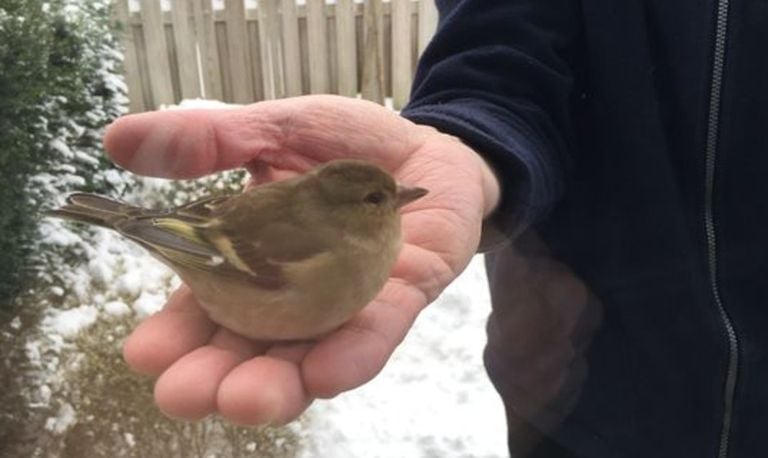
290 134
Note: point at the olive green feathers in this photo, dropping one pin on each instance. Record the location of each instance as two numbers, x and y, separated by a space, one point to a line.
289 260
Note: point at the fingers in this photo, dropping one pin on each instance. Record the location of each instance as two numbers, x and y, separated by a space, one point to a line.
204 369
188 143
355 353
149 350
261 173
224 377
188 388
291 134
278 385
263 390
252 383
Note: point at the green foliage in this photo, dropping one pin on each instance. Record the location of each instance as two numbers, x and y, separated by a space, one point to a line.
58 89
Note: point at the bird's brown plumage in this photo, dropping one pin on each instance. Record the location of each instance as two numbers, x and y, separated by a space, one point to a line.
292 259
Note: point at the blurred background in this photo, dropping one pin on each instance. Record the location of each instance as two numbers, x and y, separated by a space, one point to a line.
70 294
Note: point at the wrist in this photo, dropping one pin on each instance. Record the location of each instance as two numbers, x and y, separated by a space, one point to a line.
491 234
491 186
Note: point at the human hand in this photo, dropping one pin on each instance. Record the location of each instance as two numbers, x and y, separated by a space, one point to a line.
205 369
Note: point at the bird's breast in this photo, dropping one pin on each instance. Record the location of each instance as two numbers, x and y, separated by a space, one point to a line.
321 292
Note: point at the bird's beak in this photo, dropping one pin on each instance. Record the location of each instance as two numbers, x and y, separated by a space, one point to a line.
406 195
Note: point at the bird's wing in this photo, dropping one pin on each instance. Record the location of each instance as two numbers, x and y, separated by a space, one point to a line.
175 240
264 257
182 244
250 238
202 209
260 233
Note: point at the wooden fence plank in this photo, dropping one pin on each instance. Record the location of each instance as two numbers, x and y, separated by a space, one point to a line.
157 53
262 43
209 52
227 92
427 22
373 61
318 47
401 52
254 31
291 48
240 75
347 49
414 39
186 49
360 40
131 62
386 46
173 61
271 54
141 57
332 46
304 40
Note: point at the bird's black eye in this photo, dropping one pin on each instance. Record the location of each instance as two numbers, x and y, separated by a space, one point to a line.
375 198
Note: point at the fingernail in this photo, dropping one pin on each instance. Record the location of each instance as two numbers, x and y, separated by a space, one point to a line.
153 156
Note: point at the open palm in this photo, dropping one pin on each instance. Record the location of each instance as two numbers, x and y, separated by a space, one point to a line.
205 369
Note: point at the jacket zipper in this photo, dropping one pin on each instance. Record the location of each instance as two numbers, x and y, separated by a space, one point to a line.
713 124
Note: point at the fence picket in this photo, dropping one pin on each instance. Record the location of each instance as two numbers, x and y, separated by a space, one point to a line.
282 48
318 47
205 31
347 52
291 48
373 60
271 54
427 22
240 75
186 52
157 52
401 52
131 64
254 36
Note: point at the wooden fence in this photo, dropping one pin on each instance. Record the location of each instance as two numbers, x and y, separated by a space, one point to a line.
239 51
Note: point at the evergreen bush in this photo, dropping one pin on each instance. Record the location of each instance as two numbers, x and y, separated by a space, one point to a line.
58 89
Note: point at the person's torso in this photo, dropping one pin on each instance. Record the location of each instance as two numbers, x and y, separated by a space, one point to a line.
663 220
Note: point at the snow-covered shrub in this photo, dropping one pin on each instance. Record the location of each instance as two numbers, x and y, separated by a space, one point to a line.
58 88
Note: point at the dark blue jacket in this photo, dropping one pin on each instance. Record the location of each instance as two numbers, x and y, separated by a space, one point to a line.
631 137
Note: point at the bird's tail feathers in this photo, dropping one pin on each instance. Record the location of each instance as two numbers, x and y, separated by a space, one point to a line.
93 209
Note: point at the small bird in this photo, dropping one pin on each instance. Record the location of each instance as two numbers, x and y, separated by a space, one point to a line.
288 260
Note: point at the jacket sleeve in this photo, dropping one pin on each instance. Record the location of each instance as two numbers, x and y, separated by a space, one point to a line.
497 74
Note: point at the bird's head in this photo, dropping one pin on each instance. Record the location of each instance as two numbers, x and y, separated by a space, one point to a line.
361 189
